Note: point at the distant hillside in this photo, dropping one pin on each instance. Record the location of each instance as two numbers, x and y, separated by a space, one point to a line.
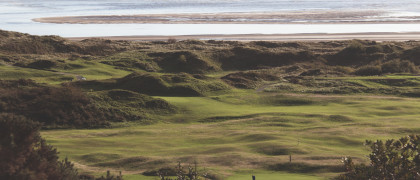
94 82
192 56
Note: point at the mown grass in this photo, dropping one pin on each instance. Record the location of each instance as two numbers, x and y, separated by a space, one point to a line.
246 136
40 76
267 175
92 70
89 70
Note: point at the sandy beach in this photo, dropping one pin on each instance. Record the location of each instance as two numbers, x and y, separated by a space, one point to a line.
415 36
291 17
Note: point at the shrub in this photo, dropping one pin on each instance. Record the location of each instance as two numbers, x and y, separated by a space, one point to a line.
25 155
182 173
397 66
172 40
392 159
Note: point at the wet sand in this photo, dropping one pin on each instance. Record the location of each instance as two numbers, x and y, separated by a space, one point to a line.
274 37
290 17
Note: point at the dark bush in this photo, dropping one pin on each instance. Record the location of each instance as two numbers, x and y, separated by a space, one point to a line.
25 155
392 159
397 66
42 64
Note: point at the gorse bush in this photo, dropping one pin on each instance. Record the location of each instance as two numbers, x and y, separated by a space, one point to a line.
25 155
392 159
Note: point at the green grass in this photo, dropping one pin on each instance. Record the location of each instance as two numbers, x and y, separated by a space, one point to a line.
235 133
89 70
245 135
94 70
40 76
266 175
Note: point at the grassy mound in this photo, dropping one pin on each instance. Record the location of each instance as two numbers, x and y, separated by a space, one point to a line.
13 42
413 55
246 58
183 61
26 44
358 53
132 60
249 79
123 105
170 85
53 106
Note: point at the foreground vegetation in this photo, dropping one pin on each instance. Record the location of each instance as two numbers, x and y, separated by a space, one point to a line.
269 109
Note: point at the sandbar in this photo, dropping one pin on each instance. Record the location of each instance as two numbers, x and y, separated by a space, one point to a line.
409 36
289 17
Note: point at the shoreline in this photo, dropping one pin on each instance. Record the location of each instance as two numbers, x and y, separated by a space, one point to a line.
289 17
406 36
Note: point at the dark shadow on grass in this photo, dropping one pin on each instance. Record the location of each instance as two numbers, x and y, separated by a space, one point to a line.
305 168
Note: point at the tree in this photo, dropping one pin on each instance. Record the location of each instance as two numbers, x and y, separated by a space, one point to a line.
24 155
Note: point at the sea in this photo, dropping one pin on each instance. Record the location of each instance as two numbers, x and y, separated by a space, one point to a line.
17 15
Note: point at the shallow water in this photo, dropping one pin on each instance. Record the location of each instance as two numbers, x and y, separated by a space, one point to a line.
16 15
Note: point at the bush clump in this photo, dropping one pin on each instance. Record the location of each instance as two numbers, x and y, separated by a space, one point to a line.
397 66
392 159
25 155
